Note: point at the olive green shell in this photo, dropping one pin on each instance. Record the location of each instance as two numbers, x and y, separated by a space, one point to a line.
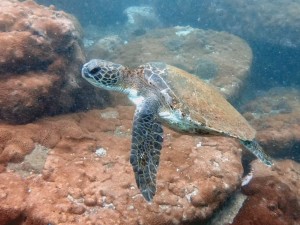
206 105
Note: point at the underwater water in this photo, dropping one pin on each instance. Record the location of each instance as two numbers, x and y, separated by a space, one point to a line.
146 134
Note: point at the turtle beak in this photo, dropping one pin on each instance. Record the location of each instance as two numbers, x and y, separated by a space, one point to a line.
85 72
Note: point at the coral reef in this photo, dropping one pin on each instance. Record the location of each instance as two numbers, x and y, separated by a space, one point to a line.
87 177
273 195
40 59
275 22
275 115
222 59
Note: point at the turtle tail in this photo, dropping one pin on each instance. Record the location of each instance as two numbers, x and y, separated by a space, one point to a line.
258 151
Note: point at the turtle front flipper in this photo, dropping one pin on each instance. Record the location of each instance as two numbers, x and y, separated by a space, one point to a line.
147 138
257 150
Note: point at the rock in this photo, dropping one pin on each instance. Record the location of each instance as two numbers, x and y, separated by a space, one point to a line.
27 96
22 48
227 213
275 22
40 60
273 195
87 177
140 19
275 115
105 40
105 47
13 192
32 163
220 58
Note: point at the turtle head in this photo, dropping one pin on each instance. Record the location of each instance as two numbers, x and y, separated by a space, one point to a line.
104 74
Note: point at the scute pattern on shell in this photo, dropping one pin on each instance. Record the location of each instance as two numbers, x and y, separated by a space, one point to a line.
206 105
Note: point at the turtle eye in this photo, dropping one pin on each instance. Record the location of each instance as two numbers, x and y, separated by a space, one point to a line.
95 70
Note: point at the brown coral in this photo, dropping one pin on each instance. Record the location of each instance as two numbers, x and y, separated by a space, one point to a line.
87 176
13 193
273 196
40 60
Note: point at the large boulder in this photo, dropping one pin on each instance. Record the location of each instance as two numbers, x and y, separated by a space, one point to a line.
222 59
75 170
273 195
275 22
275 115
140 19
40 60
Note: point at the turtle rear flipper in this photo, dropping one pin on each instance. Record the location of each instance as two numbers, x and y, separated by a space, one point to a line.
147 138
257 150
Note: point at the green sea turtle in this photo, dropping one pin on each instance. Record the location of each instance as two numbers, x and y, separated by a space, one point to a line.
164 94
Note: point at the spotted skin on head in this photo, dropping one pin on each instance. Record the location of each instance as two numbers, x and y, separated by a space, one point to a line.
102 73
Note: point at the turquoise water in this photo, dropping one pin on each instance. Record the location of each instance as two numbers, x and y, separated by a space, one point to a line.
76 167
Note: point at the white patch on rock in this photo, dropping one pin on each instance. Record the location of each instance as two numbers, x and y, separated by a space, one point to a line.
88 43
222 89
75 200
226 186
107 205
109 115
164 207
199 144
101 152
109 43
33 163
184 31
216 166
189 195
131 207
